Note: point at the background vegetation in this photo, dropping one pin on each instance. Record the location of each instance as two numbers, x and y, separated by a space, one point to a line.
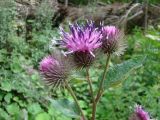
24 96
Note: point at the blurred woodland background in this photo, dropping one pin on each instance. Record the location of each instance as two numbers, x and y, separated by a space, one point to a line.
26 30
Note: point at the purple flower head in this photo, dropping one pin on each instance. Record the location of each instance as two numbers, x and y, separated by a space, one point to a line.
110 31
82 38
143 115
139 114
47 63
54 69
82 41
112 41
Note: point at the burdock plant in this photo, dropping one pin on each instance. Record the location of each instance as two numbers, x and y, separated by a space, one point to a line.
80 45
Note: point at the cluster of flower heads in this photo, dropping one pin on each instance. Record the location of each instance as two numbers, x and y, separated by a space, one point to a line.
140 114
81 43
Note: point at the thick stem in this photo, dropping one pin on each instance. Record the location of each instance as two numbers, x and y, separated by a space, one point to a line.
92 94
94 110
75 98
101 89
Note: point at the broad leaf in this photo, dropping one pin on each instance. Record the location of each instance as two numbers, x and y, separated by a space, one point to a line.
8 97
66 107
43 116
120 72
34 108
6 86
4 115
13 109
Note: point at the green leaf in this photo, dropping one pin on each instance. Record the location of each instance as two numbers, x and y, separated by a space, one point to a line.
6 86
13 109
43 116
8 97
4 115
66 107
34 108
3 53
120 72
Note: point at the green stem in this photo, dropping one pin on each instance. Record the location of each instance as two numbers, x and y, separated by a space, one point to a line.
75 98
101 89
92 94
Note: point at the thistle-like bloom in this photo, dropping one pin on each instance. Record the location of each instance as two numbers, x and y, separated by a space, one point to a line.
112 41
82 42
140 114
54 69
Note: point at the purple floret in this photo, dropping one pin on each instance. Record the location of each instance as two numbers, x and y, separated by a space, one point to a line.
81 38
141 113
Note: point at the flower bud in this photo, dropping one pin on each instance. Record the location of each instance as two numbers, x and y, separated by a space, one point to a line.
54 70
112 41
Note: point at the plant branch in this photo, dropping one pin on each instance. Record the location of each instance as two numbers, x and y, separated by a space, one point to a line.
101 89
92 94
75 98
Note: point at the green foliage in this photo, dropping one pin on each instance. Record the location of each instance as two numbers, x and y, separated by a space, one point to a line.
44 15
21 93
43 116
118 73
67 107
7 13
